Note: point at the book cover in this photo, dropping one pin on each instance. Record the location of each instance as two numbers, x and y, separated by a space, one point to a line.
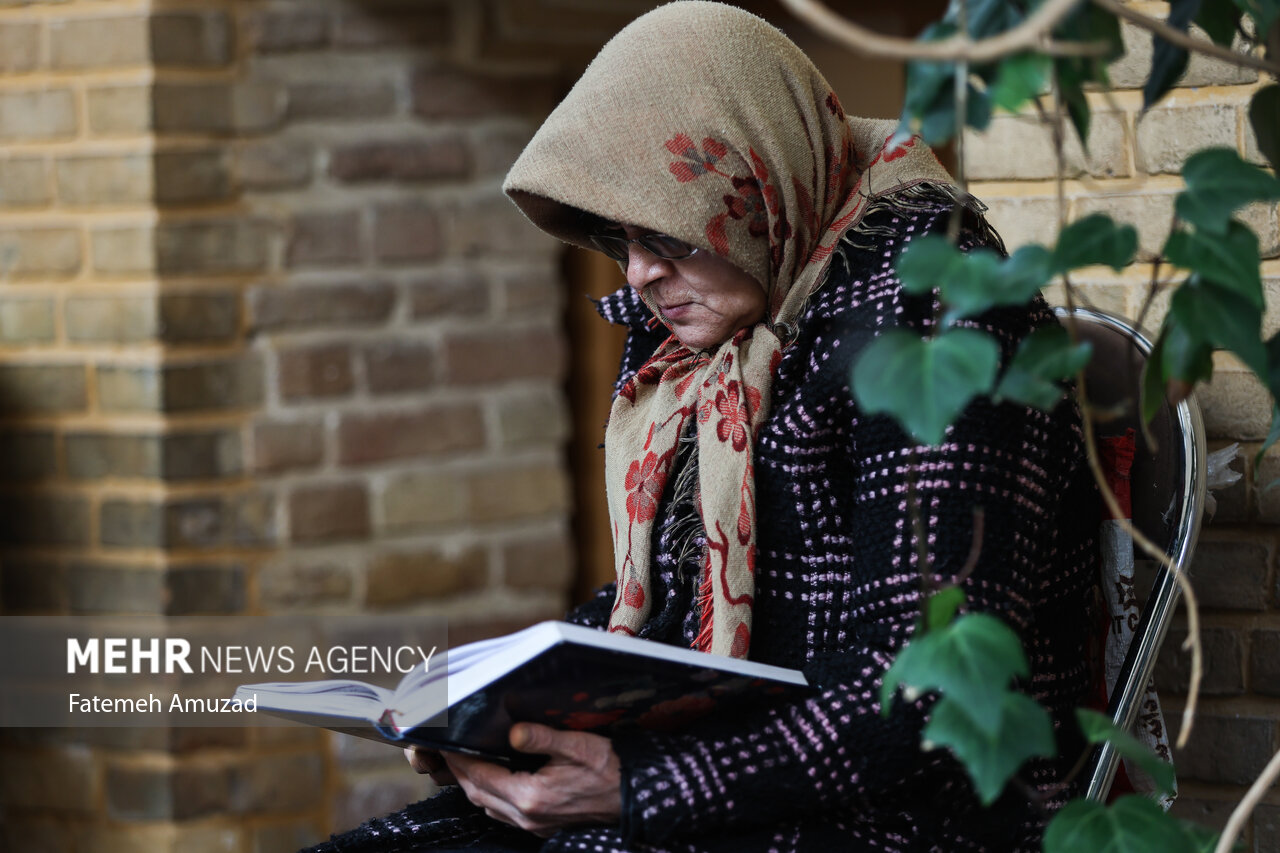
562 675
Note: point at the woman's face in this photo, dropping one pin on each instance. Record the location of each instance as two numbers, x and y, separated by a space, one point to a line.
703 297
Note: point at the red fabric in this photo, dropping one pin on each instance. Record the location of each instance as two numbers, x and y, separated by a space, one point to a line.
1117 463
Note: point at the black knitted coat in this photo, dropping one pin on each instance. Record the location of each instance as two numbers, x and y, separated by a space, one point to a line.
837 595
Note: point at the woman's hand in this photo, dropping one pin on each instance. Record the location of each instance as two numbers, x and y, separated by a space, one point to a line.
581 784
430 762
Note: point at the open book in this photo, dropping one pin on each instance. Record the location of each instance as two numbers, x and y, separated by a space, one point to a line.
554 673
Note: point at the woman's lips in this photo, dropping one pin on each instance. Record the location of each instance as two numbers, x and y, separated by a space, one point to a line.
675 312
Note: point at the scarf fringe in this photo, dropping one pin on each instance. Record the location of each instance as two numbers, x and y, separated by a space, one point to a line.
867 236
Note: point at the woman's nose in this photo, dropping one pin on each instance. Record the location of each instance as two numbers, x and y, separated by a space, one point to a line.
643 267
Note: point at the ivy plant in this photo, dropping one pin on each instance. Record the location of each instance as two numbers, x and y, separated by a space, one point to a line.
972 662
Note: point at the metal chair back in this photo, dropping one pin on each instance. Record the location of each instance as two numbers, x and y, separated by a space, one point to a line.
1168 490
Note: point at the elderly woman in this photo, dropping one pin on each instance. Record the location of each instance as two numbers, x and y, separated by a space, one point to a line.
756 511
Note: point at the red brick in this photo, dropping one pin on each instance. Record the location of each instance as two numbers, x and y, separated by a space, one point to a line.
42 388
1208 813
419 24
276 783
460 292
443 92
496 148
322 371
1229 750
279 31
190 38
305 584
214 246
1231 575
491 224
323 513
191 177
275 164
406 232
341 100
1264 676
1266 829
395 366
62 779
401 578
423 499
535 290
535 419
473 358
523 491
1223 663
377 437
538 564
147 793
299 307
403 160
324 239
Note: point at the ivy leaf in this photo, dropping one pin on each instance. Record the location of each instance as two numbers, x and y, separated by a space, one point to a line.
929 105
972 282
966 661
1168 61
1265 13
985 280
1091 24
925 384
926 263
1098 728
1071 80
986 18
1178 355
1043 358
1133 824
992 754
1218 183
1020 79
1095 239
1232 263
1219 18
940 608
1264 117
1221 318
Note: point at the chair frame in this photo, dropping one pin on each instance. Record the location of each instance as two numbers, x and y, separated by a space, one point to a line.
1176 528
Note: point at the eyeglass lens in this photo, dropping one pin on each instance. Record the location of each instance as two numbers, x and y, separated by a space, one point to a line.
663 246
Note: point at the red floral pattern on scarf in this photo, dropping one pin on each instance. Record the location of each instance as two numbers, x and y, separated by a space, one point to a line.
645 481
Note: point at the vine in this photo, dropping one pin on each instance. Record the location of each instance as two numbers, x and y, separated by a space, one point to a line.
985 55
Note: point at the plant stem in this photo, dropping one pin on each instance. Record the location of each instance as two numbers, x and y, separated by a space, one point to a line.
1246 806
1185 40
1028 35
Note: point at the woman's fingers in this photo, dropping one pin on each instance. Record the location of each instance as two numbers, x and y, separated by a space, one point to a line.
431 762
580 784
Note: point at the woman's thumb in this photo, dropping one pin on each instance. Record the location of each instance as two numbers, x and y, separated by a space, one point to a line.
529 737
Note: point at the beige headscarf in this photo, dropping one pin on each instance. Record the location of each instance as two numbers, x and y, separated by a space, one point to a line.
704 122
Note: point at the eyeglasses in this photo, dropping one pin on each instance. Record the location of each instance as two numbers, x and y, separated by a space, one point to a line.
618 248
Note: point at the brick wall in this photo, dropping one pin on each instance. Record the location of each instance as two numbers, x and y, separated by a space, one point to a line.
1131 172
271 341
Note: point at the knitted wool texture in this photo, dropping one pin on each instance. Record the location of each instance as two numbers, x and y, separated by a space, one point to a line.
838 596
704 122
